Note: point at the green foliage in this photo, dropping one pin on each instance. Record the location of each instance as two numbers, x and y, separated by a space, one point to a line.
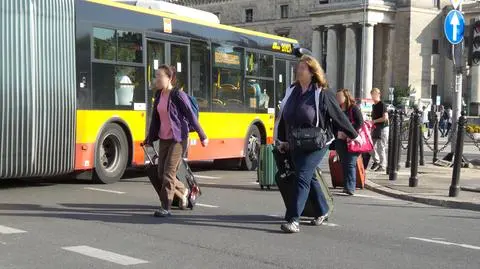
400 94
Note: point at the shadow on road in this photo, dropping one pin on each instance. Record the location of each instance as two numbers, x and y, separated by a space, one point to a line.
139 214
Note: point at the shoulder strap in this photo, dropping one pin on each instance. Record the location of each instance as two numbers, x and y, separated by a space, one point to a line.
319 97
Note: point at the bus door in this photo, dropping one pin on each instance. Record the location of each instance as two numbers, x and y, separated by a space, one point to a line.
159 53
164 52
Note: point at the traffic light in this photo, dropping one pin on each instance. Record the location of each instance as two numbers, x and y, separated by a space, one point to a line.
475 44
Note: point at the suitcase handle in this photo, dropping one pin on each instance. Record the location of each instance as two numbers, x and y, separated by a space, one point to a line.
150 158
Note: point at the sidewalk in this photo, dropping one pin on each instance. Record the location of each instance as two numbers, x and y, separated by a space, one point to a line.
433 186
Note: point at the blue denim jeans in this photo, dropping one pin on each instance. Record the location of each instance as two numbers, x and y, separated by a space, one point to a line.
349 165
305 165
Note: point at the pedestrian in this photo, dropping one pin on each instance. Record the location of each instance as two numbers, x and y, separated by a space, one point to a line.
172 115
448 116
442 122
299 112
425 120
348 159
380 132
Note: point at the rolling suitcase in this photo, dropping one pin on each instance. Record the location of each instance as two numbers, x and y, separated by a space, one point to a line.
267 168
184 174
336 171
285 179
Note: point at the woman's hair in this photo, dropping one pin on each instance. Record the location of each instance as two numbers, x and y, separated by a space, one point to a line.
349 100
318 75
170 71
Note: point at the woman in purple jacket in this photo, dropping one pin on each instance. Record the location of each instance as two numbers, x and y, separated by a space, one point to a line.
171 117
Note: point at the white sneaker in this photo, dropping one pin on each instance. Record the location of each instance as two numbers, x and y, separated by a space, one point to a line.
184 200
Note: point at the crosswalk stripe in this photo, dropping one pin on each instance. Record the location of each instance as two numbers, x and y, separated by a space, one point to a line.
206 177
104 190
205 205
9 230
105 255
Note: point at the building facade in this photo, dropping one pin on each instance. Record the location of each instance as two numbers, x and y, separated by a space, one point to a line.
365 43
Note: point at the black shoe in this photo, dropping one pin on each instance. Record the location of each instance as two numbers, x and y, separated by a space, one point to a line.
380 169
349 193
374 166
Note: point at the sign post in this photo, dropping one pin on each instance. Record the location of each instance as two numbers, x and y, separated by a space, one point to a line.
454 32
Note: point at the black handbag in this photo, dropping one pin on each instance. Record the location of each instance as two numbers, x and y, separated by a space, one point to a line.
311 138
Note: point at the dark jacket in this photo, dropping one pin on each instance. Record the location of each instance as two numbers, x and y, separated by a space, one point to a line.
299 112
181 116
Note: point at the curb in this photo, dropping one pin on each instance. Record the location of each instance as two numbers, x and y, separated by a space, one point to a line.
470 189
369 185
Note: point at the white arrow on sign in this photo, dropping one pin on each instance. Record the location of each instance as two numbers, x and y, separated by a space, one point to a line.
456 3
455 22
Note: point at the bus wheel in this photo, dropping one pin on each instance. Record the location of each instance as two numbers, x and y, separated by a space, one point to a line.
111 154
252 149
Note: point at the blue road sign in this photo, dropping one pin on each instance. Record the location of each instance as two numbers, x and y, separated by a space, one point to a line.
454 27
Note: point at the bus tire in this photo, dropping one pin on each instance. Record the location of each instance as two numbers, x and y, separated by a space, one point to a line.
252 149
111 154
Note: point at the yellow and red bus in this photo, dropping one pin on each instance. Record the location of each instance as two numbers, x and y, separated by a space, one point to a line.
76 75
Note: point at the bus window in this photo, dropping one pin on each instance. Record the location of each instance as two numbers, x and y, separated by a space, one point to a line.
130 47
180 62
104 44
260 94
117 87
259 65
200 61
227 92
281 82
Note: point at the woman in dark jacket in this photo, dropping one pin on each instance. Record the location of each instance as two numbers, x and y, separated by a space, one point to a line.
348 159
171 117
299 110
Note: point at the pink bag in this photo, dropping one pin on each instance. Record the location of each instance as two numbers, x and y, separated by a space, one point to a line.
366 143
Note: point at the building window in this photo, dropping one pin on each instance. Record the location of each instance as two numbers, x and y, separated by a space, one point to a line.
323 1
435 45
284 11
249 15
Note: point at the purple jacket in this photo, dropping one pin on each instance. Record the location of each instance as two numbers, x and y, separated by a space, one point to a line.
181 116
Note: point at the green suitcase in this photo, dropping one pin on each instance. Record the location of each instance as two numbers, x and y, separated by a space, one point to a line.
267 167
325 190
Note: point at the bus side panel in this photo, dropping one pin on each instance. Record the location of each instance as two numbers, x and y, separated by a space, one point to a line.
37 88
89 126
227 135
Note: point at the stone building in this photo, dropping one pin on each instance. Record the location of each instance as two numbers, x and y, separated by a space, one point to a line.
364 43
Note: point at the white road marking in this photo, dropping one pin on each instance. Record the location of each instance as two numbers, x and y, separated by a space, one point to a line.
375 197
104 190
206 177
205 205
329 224
3 243
105 255
445 243
9 230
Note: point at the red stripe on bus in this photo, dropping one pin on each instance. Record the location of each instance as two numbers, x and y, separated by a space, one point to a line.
217 148
84 156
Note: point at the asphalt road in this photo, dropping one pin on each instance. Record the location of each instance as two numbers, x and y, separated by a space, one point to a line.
52 224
